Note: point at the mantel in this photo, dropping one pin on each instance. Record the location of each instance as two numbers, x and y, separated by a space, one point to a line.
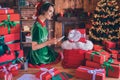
72 19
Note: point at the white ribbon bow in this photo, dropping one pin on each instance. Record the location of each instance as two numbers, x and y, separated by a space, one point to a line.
94 72
7 76
50 71
13 65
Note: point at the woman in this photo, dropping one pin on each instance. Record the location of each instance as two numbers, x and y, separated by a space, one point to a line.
40 52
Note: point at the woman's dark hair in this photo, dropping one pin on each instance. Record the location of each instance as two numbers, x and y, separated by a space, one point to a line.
43 8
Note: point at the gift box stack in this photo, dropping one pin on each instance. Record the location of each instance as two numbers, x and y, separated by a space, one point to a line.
10 52
97 59
101 62
73 52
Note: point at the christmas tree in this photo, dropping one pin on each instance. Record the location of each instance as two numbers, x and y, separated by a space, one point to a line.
106 22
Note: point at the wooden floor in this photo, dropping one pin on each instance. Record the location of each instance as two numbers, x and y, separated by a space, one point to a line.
58 66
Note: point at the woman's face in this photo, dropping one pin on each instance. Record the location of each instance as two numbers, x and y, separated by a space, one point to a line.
49 13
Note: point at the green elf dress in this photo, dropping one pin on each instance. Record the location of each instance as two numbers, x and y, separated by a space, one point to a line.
43 55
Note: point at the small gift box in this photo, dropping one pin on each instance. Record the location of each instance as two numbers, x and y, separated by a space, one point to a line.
92 64
87 73
13 68
5 74
73 58
6 11
110 44
47 73
112 68
98 57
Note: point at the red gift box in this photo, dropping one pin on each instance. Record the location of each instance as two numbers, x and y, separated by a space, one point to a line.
112 68
92 64
73 58
100 57
5 74
87 73
13 17
113 52
80 32
11 56
97 48
6 11
13 29
110 44
13 68
12 37
13 47
47 73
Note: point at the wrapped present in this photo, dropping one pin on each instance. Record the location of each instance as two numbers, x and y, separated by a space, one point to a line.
73 58
12 37
13 68
98 57
9 24
109 44
97 48
6 11
93 64
113 52
112 68
77 35
13 47
47 73
87 73
13 56
5 74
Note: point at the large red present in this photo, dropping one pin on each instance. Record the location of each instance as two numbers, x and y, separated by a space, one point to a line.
73 58
47 73
92 64
9 24
9 57
87 73
98 57
77 35
6 11
112 68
